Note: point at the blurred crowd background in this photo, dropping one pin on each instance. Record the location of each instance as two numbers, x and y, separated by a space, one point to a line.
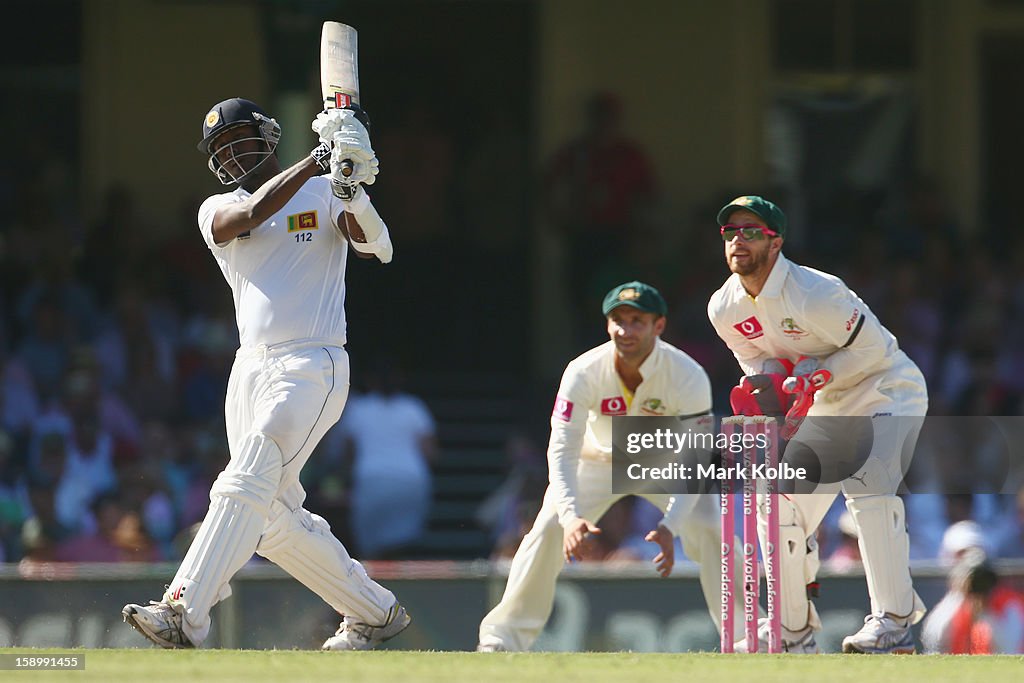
117 330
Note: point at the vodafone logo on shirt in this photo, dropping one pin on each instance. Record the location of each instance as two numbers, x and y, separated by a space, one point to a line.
615 405
563 409
750 328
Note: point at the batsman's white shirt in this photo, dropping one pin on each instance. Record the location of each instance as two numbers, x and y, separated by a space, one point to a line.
287 276
591 395
806 312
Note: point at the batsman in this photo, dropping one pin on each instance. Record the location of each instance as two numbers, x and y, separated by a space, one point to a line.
281 239
809 347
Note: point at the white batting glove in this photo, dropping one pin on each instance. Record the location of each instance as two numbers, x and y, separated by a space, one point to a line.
360 169
328 122
352 152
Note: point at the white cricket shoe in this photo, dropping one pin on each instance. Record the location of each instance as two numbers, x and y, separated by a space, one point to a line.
160 622
491 647
881 635
356 635
794 642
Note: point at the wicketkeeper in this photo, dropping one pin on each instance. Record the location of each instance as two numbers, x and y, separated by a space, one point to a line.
809 346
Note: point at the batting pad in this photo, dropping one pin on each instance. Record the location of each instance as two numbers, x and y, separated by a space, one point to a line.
239 501
885 552
302 544
798 559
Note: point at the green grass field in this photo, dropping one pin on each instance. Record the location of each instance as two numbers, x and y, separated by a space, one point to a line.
291 665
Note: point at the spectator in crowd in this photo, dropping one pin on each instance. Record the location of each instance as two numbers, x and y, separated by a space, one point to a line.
389 437
1010 539
510 509
14 506
980 613
72 488
963 544
990 618
45 348
593 201
846 556
43 530
119 537
19 403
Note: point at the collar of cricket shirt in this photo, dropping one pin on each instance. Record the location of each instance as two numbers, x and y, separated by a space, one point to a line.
647 368
776 279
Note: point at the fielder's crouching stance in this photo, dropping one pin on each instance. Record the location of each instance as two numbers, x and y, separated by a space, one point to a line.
796 331
281 240
635 373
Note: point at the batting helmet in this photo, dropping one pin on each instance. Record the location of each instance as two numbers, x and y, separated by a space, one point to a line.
232 113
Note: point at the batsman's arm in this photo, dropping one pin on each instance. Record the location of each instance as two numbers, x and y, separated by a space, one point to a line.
231 220
364 228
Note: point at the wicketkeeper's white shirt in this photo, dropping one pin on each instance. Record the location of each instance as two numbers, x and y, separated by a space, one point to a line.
806 312
287 275
591 394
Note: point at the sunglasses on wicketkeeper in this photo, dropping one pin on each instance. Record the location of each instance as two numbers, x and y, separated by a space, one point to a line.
747 232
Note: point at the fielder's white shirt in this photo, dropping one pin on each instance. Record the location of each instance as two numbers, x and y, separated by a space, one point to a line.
591 395
287 275
806 312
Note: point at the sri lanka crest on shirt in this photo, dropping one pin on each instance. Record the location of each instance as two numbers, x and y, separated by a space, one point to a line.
303 221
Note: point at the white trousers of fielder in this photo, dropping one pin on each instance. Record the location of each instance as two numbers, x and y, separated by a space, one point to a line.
519 618
280 402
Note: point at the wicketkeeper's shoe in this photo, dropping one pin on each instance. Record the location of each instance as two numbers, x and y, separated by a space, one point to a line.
160 622
881 634
356 635
794 642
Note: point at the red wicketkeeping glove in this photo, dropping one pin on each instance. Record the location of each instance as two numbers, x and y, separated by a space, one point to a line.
802 387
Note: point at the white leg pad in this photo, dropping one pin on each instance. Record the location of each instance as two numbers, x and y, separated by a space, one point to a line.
885 551
239 501
798 555
302 544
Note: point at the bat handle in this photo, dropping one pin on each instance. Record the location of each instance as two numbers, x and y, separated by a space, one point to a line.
343 191
346 167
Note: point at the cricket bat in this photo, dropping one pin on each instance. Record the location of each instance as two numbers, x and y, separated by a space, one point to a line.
339 79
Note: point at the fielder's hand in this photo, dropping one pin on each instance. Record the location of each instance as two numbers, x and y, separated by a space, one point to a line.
666 559
572 538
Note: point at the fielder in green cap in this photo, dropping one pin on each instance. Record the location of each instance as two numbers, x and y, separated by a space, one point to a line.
634 373
636 294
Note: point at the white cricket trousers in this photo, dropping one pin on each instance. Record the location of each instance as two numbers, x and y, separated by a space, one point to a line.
280 402
896 412
519 618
